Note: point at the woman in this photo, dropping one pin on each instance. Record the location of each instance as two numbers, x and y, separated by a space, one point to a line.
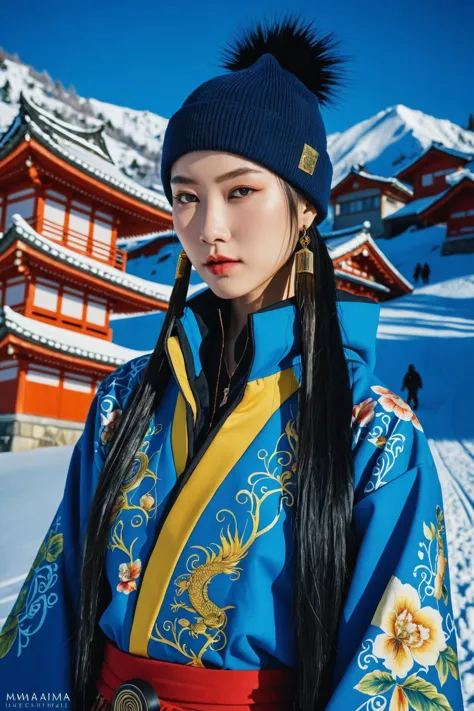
267 529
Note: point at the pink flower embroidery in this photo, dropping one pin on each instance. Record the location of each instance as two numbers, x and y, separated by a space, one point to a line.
109 423
394 403
128 573
363 413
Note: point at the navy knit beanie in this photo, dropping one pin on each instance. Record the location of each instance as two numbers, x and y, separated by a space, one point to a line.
266 110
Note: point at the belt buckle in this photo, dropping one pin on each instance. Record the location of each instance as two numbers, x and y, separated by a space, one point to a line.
135 695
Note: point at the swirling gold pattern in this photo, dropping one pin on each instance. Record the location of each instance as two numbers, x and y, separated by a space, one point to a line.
129 697
208 618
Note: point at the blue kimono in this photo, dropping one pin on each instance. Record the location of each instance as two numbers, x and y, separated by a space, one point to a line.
199 557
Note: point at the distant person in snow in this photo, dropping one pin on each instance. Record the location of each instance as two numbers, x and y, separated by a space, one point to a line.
412 382
425 274
417 272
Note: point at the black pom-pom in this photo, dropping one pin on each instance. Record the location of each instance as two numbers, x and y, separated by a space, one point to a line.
297 48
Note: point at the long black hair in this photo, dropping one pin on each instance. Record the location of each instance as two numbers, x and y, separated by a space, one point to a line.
325 547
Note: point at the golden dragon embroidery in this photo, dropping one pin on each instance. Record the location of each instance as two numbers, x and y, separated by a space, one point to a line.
223 558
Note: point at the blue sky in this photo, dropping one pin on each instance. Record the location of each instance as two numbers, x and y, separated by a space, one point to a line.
151 55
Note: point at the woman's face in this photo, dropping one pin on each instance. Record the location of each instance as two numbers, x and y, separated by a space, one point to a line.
244 217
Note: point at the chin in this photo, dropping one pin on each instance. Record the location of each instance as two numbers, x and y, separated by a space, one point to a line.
226 289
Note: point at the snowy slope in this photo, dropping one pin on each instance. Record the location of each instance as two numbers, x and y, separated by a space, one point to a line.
433 328
383 143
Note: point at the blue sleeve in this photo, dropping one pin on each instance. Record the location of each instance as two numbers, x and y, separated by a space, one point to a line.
397 645
36 639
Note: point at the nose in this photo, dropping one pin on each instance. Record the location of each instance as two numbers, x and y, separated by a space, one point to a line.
214 225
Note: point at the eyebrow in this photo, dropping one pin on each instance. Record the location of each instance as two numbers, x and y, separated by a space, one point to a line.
220 179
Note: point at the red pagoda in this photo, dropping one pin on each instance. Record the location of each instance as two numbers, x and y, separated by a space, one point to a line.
361 267
63 205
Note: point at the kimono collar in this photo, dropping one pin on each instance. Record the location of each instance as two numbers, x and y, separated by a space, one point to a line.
275 333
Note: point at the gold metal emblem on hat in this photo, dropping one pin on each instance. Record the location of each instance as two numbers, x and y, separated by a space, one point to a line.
308 159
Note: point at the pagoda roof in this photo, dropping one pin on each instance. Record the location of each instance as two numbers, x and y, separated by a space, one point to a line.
62 340
131 244
84 149
466 181
20 229
359 173
342 242
415 207
434 146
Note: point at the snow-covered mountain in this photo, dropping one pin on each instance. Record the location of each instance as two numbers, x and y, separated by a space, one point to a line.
391 139
134 138
383 144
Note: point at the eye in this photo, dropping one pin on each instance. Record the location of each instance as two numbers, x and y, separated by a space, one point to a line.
243 188
180 195
179 201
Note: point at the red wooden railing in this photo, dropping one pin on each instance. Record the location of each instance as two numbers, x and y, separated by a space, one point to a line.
80 243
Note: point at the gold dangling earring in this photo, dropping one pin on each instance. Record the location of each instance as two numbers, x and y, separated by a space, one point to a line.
304 256
181 266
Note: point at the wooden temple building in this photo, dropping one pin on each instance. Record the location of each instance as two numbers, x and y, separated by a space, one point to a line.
442 180
361 267
362 196
63 206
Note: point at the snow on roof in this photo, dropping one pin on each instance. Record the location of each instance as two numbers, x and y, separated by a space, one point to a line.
61 339
87 264
452 151
338 245
393 181
440 147
85 149
360 280
130 244
90 138
348 231
371 176
415 207
466 172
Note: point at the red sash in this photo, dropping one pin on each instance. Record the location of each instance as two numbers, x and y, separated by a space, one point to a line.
193 688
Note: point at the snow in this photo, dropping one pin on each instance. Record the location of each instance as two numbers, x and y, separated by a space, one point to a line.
64 340
390 140
161 267
139 330
90 162
393 181
42 475
416 207
130 244
383 143
440 146
356 237
433 328
88 264
133 135
466 172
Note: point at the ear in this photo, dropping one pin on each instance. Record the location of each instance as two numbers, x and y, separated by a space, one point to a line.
307 213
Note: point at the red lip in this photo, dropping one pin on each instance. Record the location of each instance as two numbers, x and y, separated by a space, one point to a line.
219 258
221 268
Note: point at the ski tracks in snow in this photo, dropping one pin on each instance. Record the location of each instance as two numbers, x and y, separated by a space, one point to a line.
455 464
